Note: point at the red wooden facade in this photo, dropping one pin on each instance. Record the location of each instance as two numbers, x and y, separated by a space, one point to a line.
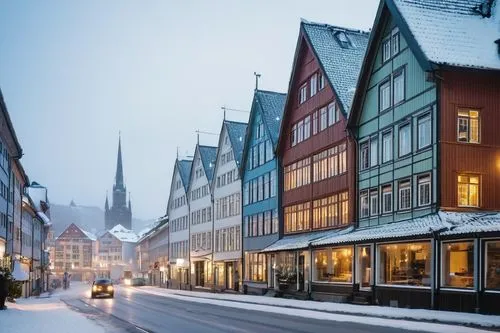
306 65
477 90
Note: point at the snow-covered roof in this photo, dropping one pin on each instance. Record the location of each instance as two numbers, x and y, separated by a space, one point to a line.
123 234
208 156
469 223
272 105
185 171
90 235
453 32
236 132
341 62
302 241
38 194
44 218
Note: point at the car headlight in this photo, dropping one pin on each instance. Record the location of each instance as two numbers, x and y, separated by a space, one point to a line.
110 288
127 282
94 288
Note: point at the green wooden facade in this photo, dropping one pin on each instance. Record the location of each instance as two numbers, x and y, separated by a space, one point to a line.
372 124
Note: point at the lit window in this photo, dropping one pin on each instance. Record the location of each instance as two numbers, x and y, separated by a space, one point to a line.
468 126
385 95
387 199
364 204
424 190
458 265
492 274
395 41
468 191
303 93
399 86
386 147
373 202
424 131
386 50
404 195
314 84
333 265
404 140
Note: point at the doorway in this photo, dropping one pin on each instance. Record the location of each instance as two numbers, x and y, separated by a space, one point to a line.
199 268
229 275
301 272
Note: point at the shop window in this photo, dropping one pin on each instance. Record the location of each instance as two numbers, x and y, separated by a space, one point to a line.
256 268
333 265
364 266
458 265
405 264
492 274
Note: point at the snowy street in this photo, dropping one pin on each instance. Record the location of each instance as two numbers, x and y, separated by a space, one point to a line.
151 309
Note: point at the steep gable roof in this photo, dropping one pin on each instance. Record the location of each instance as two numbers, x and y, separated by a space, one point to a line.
340 62
69 232
185 171
272 105
236 132
452 32
123 234
208 155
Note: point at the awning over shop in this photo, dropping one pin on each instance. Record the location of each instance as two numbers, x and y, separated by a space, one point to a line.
302 241
475 223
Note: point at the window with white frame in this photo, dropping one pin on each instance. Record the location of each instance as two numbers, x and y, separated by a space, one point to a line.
364 210
386 199
373 151
314 84
315 122
404 194
404 140
364 159
387 147
385 95
331 114
321 81
468 190
386 49
395 41
424 131
399 85
307 127
323 115
468 126
303 93
424 190
373 202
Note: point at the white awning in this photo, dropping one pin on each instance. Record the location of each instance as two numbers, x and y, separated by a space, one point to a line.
44 217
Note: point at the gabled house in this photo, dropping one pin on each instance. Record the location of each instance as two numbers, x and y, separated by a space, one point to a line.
178 213
317 160
201 215
425 116
226 189
260 188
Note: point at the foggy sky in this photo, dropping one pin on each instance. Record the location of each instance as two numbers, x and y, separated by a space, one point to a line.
75 73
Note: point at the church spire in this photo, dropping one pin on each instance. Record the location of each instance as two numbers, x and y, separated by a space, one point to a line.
129 203
106 204
119 166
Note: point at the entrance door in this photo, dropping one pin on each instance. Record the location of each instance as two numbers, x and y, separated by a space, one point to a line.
301 272
200 273
272 269
229 275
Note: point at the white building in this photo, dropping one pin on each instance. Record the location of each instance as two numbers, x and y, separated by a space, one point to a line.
201 215
178 214
226 188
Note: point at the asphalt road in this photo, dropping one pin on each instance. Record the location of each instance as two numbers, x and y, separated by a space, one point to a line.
134 311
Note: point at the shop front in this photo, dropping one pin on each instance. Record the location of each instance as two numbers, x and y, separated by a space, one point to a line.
202 275
226 274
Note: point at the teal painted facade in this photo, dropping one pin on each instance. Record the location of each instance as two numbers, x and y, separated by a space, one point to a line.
377 128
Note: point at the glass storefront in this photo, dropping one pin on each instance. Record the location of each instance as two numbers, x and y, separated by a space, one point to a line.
492 264
405 264
364 265
255 267
333 265
458 264
286 267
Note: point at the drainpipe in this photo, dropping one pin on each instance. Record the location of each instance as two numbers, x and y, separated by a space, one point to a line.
213 241
309 291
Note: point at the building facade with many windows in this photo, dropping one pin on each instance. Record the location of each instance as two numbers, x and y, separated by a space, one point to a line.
260 188
226 189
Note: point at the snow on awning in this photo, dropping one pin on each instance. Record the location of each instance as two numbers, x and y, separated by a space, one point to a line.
419 227
302 241
44 217
476 223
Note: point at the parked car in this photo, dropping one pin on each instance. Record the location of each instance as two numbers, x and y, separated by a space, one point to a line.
138 282
102 287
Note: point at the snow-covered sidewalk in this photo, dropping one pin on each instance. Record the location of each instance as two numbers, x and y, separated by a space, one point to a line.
447 317
45 314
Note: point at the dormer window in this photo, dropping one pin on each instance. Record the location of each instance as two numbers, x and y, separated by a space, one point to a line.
342 39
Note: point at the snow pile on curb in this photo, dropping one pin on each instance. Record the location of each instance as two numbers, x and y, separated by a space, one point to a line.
342 308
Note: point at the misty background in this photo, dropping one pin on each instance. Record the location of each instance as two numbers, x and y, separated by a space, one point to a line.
75 73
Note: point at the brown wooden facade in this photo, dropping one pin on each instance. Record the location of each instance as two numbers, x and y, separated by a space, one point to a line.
306 65
477 90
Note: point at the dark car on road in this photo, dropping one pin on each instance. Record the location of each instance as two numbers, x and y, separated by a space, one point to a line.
138 282
102 287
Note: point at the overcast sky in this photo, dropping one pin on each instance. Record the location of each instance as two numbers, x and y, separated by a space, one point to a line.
75 73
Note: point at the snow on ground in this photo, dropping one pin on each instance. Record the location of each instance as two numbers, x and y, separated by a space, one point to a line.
47 314
379 316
